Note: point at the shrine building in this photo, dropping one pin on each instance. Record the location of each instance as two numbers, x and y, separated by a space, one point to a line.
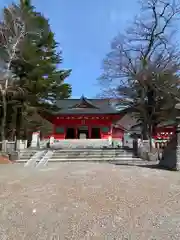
95 122
85 118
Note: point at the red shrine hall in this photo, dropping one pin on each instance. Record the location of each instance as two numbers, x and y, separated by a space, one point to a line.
84 118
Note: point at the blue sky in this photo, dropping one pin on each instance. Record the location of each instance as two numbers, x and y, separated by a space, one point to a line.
84 30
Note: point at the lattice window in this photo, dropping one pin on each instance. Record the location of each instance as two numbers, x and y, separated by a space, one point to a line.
105 129
59 130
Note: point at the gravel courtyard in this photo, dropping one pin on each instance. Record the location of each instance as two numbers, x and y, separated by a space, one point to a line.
78 201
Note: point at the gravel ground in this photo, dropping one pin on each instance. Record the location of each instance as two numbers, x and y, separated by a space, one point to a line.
79 201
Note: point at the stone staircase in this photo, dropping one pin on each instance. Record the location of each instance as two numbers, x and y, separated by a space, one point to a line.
26 154
117 156
38 159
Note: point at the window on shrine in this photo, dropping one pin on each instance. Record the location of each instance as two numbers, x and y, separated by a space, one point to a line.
105 129
59 130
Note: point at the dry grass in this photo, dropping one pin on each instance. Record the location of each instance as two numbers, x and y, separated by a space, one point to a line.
4 160
89 201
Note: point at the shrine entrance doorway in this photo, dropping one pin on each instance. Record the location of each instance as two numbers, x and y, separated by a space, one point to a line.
83 132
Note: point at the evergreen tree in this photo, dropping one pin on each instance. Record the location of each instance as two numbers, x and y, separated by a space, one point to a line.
35 70
37 67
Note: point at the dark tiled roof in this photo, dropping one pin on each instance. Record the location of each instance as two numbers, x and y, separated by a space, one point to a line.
167 123
93 106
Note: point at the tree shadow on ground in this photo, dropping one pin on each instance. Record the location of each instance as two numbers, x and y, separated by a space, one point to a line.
148 165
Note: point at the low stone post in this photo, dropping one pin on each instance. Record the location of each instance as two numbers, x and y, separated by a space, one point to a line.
4 145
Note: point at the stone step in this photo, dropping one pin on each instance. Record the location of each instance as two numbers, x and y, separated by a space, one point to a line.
92 156
95 159
26 153
24 160
93 152
90 150
124 160
26 156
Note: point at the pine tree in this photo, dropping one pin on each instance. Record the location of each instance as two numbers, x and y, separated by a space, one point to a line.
35 70
38 65
38 71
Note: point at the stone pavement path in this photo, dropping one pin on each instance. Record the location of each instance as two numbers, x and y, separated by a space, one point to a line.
80 201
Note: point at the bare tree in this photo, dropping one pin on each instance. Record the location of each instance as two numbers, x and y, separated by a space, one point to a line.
144 61
15 27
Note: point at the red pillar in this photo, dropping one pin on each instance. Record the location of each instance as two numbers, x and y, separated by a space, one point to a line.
65 131
100 132
89 131
54 130
76 132
111 130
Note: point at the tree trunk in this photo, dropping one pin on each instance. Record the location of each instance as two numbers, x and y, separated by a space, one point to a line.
151 94
150 137
10 122
18 122
3 124
144 132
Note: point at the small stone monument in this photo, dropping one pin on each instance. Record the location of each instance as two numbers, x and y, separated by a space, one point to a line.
35 139
51 141
82 136
110 140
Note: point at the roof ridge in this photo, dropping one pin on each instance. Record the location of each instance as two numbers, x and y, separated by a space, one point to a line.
98 99
84 100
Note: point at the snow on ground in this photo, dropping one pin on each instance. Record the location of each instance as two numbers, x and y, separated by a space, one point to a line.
79 201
